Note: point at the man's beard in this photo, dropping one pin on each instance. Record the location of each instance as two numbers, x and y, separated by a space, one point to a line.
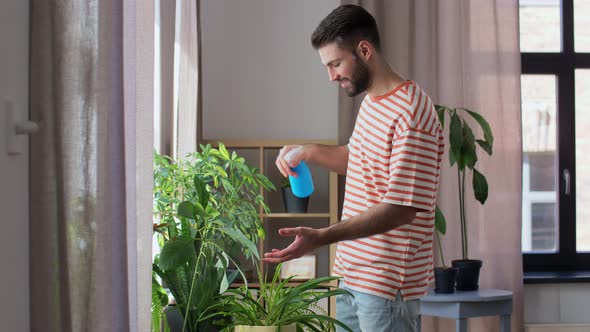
360 78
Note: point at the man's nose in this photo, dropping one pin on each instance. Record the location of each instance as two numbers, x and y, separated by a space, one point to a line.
333 75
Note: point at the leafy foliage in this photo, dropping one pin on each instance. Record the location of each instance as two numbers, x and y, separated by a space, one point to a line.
463 146
206 211
280 304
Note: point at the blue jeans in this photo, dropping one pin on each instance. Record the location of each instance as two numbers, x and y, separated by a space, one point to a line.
370 313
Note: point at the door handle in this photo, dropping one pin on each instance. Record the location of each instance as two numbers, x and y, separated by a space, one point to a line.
567 181
15 128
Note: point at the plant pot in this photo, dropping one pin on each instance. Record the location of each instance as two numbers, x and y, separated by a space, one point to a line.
444 280
246 328
467 274
294 204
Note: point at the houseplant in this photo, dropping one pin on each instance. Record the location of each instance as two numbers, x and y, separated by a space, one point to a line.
444 276
463 146
206 210
292 203
279 305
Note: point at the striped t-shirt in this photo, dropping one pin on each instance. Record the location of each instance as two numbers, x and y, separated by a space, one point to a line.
394 157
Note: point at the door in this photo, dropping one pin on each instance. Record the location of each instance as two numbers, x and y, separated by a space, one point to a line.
14 188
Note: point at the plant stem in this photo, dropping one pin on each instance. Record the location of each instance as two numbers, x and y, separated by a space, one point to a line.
188 306
464 217
442 257
461 181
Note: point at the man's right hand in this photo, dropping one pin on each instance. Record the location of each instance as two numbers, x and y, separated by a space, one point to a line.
285 165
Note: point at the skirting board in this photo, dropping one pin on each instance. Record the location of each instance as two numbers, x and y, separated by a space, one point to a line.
557 327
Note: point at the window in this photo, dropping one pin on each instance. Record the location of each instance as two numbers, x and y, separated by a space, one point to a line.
555 90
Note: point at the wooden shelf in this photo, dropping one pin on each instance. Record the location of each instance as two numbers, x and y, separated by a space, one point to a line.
296 215
259 154
253 285
234 144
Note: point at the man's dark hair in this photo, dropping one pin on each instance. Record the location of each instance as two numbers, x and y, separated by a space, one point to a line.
346 25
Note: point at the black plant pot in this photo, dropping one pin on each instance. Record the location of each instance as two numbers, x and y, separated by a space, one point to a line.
294 204
444 280
467 274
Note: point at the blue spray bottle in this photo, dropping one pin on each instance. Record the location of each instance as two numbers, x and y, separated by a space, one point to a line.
302 185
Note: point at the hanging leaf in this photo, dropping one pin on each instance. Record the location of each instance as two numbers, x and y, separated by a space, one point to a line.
201 189
480 186
176 252
440 223
468 156
485 146
440 111
456 137
241 239
485 127
186 209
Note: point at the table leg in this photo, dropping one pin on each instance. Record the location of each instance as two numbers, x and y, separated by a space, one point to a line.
505 322
419 324
461 325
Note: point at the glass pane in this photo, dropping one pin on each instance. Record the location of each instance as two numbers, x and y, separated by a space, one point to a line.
539 196
540 25
543 170
581 24
544 228
582 177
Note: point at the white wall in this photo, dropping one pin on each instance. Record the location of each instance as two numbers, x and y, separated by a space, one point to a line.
557 303
14 219
263 80
261 77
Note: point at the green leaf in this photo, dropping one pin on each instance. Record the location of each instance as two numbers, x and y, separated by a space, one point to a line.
202 192
186 209
480 186
468 156
485 146
456 138
226 280
237 236
440 111
440 223
485 127
452 160
176 252
200 210
223 151
265 182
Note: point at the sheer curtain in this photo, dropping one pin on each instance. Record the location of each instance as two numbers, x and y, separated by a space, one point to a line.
466 53
187 78
178 96
91 165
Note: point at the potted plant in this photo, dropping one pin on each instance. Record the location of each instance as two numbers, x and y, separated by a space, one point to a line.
280 306
292 203
463 146
444 276
206 210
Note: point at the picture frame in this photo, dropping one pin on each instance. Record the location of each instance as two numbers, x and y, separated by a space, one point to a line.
302 268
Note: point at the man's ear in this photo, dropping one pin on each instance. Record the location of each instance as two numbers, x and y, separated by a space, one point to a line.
365 49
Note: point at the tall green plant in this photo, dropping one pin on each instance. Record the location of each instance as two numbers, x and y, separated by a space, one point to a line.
463 146
440 227
280 304
206 216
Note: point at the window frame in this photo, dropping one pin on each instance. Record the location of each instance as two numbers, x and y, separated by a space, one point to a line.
563 66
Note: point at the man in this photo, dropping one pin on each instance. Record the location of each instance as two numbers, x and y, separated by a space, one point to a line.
392 165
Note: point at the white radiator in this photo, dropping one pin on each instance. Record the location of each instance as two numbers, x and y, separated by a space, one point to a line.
557 327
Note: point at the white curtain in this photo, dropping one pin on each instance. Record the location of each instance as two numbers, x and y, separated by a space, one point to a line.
466 53
91 165
187 78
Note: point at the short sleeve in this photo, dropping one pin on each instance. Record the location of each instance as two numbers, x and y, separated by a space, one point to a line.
413 168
